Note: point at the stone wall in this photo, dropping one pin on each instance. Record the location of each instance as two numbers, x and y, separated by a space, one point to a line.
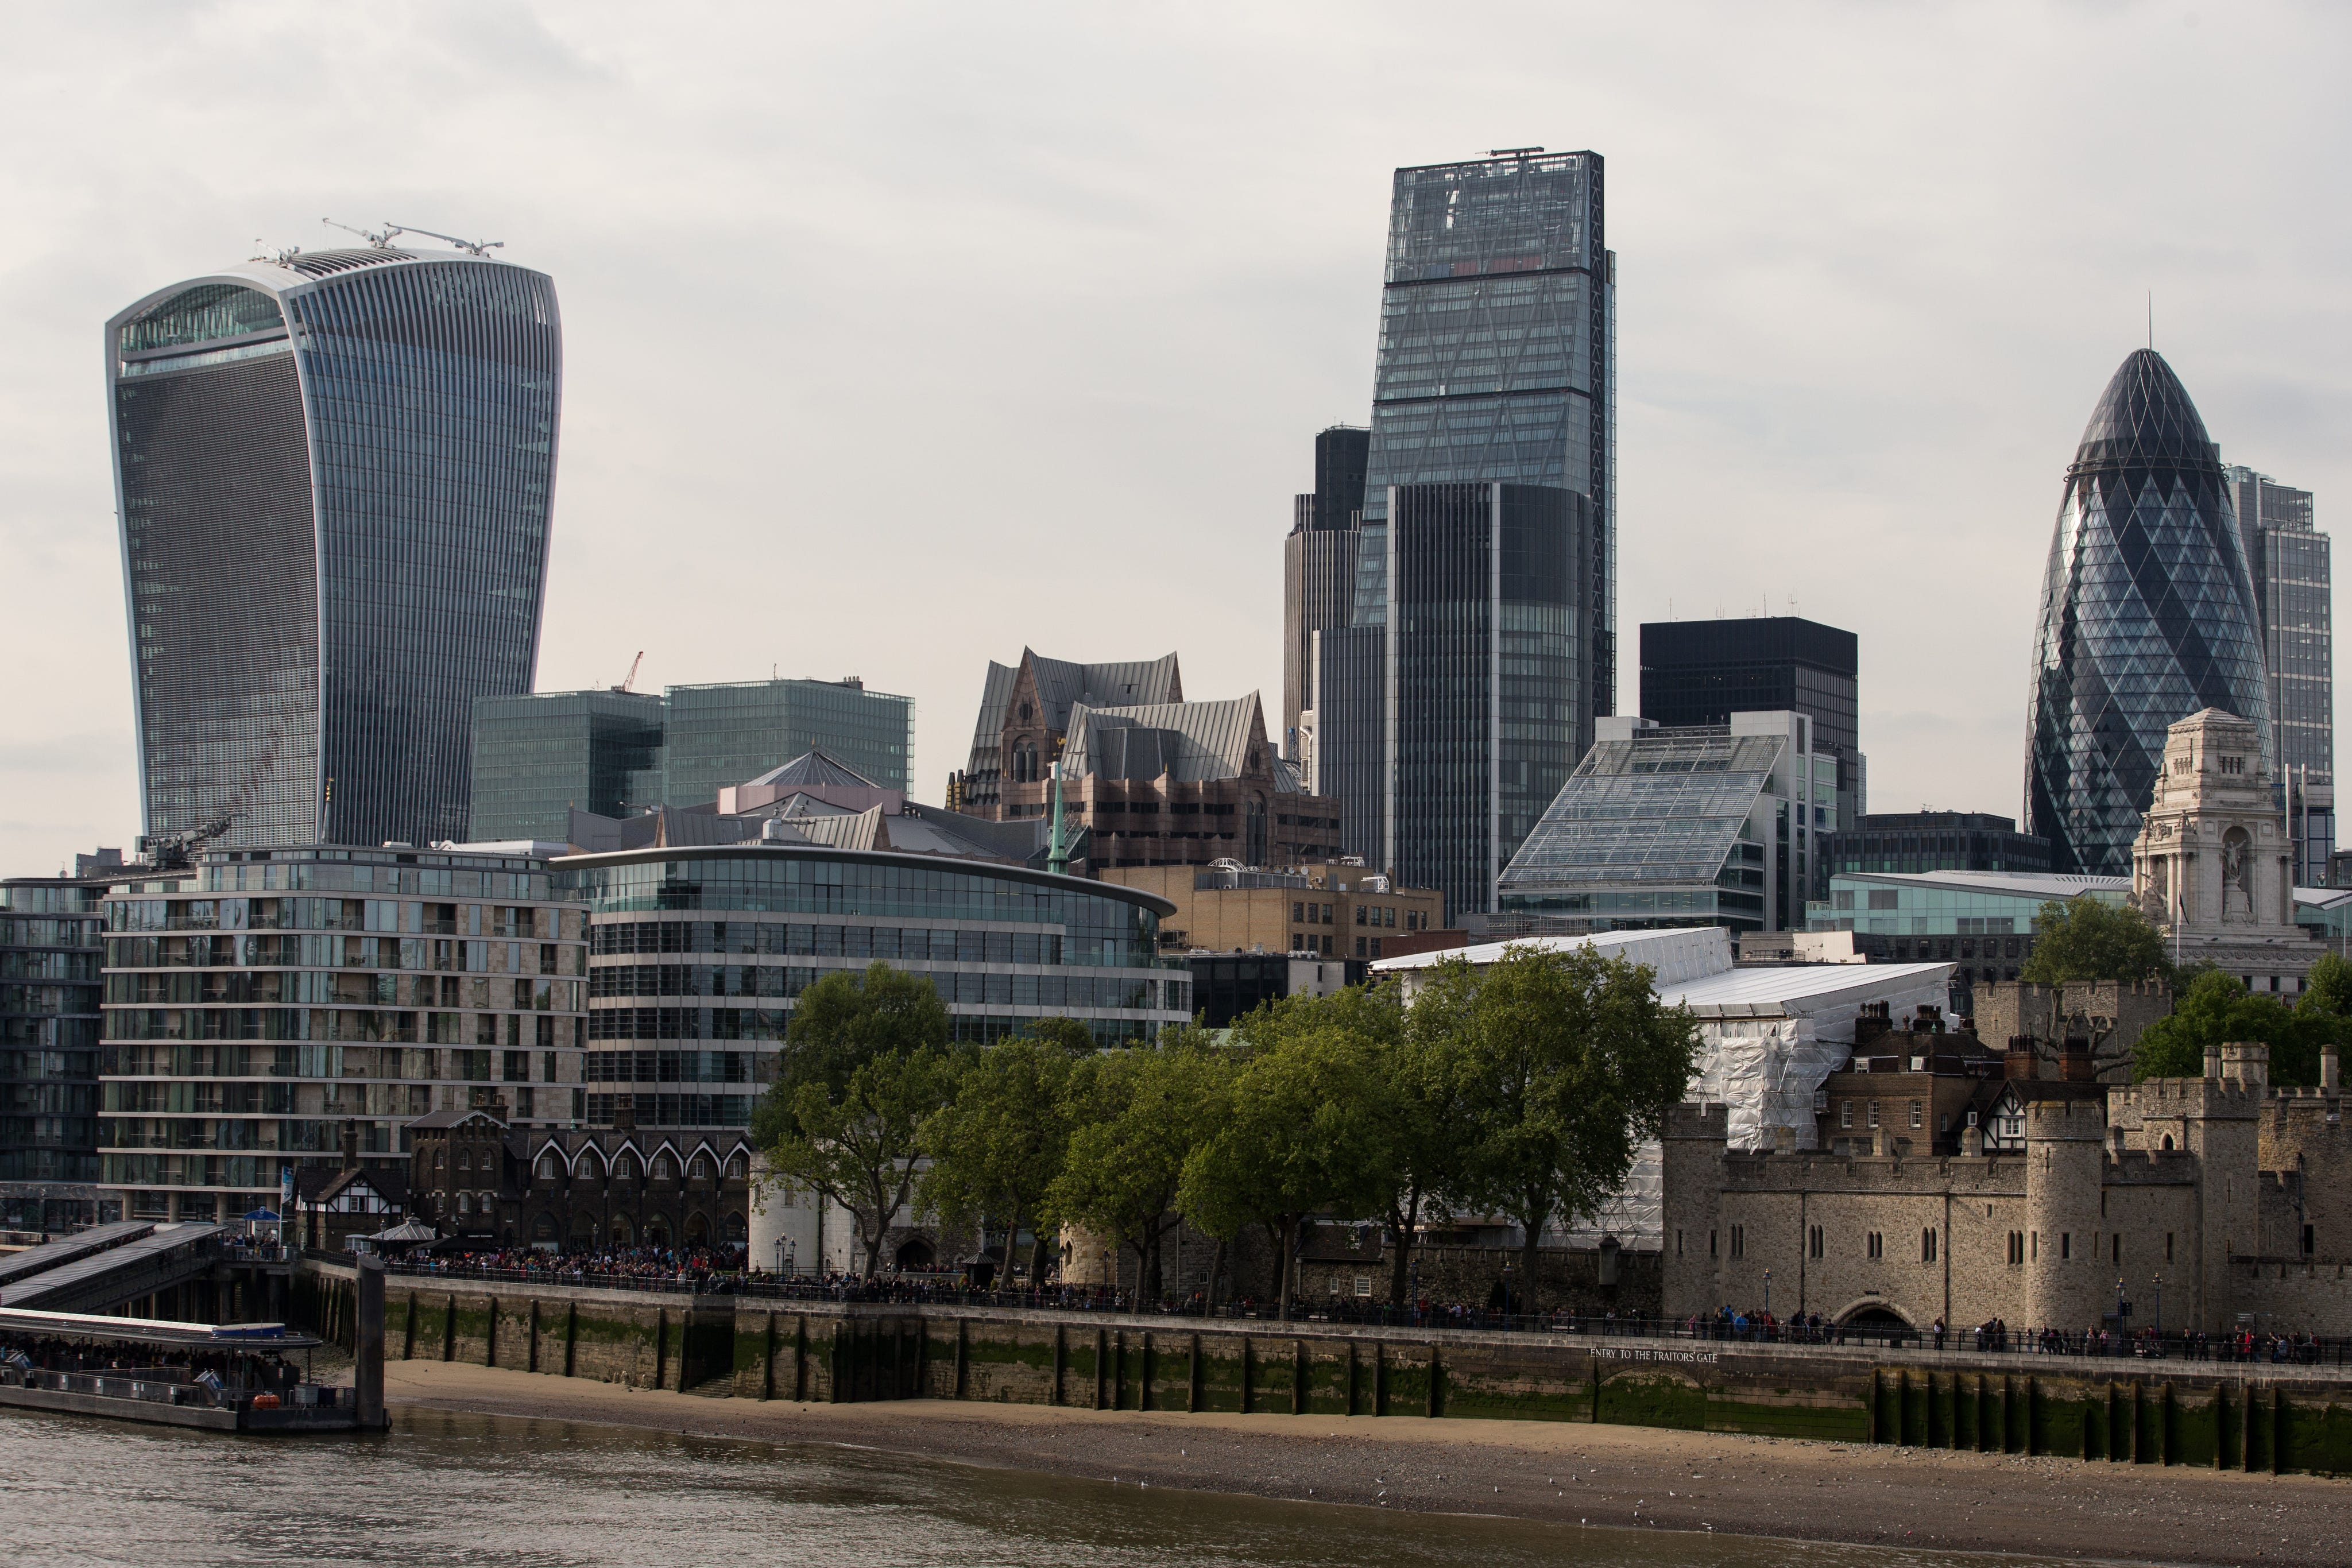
2203 1414
2110 1014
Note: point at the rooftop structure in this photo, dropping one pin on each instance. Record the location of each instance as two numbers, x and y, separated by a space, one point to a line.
1933 840
1024 714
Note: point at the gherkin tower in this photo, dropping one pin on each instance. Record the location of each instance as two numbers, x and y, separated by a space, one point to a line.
2147 616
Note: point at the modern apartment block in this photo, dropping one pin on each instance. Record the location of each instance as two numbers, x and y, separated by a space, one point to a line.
2291 563
611 752
2147 616
1701 825
334 473
51 947
264 999
1703 672
1496 367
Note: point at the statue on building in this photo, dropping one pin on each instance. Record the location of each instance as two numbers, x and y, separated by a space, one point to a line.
2212 865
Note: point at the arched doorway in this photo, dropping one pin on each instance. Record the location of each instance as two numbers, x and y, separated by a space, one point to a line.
916 1256
623 1233
657 1231
697 1230
735 1229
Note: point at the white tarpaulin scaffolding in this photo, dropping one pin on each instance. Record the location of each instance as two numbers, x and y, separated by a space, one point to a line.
1769 1037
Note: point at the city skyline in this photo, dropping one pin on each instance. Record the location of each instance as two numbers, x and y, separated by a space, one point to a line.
1776 424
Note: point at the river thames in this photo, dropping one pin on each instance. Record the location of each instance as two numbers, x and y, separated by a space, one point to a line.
448 1491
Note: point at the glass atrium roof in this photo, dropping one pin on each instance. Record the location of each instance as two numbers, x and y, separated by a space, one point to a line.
1661 808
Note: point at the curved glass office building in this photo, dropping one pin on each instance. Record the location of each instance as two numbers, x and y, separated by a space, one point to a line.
332 472
2147 616
697 956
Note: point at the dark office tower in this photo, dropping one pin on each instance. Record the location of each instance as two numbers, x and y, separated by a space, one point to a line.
2147 616
1485 671
334 473
1703 672
2290 561
1318 569
1498 364
537 758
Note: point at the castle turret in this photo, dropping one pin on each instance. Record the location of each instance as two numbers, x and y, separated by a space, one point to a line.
1691 1165
2065 1286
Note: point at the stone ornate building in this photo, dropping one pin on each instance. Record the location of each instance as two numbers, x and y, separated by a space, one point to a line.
2208 1203
2213 865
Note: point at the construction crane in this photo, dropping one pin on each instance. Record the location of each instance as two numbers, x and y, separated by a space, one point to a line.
379 238
471 246
630 680
176 852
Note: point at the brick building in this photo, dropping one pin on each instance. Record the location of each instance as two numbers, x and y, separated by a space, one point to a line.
1154 781
472 1175
1333 911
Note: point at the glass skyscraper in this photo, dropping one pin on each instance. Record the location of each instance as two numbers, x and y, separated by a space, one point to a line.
1498 365
1484 582
716 735
332 472
538 757
2147 616
2292 565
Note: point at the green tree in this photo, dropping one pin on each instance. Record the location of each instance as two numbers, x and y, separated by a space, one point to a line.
999 1144
1565 1061
864 1070
2328 990
1305 1125
2084 939
1071 1035
1138 1115
2217 1010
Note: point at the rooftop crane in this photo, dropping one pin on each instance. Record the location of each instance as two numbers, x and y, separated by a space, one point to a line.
631 678
471 246
380 238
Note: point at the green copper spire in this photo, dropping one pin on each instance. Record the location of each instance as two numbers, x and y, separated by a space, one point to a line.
1058 851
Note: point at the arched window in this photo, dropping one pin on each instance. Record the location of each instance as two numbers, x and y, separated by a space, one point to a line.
734 1167
440 1158
464 1204
701 1169
547 1167
464 1159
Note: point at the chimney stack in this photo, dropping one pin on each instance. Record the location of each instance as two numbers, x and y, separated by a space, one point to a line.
2074 1065
2019 1063
2331 1069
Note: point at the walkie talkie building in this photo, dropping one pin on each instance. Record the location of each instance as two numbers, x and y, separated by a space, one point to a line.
333 472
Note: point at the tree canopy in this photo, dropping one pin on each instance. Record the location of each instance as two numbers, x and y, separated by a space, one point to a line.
998 1143
2084 939
1138 1116
2217 1010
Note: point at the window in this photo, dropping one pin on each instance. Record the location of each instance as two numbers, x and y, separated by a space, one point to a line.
1916 1122
1883 898
701 1169
2117 1240
734 1167
662 1167
1845 1113
1927 1245
547 1167
1944 1122
1710 1243
1873 1116
1298 913
2309 1245
1813 1241
1361 910
1359 947
1739 1241
2065 1245
2016 1248
1876 1244
1363 1286
2234 765
2167 1246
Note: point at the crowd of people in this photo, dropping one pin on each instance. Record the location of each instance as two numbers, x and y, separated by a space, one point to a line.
696 1267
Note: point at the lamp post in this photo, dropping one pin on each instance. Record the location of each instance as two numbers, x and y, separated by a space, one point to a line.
1507 1295
2119 1314
2159 1283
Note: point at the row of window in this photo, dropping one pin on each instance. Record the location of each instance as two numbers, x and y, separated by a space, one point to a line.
2022 1246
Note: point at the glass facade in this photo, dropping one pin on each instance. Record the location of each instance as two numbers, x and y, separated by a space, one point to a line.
717 736
1497 364
51 947
258 1003
335 475
698 960
2147 616
1934 840
538 757
1486 597
2291 563
1710 825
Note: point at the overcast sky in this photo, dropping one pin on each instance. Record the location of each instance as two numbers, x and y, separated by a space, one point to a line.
897 336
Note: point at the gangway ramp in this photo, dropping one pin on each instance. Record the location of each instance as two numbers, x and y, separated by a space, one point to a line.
167 1255
68 1249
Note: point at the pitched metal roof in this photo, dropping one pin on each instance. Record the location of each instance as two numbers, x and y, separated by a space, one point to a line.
1061 684
1194 742
815 768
